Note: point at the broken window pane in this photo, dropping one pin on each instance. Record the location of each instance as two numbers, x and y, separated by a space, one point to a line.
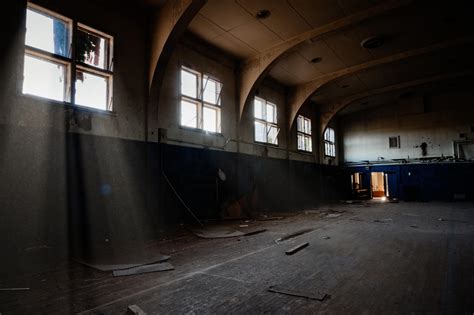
272 134
260 132
91 90
47 33
259 109
188 114
210 119
91 49
189 83
329 135
212 91
44 78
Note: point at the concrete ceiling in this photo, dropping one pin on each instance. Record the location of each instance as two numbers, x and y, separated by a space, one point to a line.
232 26
407 97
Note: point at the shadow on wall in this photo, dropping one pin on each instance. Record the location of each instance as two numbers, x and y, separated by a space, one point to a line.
257 184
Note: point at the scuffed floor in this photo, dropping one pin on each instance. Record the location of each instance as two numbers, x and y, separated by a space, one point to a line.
373 257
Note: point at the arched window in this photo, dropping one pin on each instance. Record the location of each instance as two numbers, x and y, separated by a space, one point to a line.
329 142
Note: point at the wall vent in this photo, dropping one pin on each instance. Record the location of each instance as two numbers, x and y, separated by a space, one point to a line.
394 142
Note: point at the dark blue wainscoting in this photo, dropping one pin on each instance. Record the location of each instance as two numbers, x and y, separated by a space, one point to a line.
424 181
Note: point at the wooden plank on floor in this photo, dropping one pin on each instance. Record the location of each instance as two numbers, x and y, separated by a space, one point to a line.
308 295
297 248
143 269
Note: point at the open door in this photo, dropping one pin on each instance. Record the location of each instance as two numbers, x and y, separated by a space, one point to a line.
378 184
359 188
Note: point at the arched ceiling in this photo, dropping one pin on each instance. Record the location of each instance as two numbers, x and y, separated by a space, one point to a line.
421 39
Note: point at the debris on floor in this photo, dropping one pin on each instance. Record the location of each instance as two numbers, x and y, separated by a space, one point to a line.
350 202
414 226
292 235
216 232
165 266
318 296
452 220
326 237
222 232
255 232
269 218
135 310
383 220
297 248
117 263
333 215
312 212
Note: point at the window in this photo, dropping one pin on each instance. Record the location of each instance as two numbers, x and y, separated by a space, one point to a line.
266 129
394 142
303 127
329 142
56 71
200 101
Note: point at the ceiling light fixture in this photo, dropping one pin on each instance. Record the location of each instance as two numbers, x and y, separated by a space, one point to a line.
316 60
263 14
373 42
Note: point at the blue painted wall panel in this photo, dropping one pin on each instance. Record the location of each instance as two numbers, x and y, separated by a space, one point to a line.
424 182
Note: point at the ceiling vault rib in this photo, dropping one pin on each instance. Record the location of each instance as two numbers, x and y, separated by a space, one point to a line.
303 92
252 70
168 24
330 110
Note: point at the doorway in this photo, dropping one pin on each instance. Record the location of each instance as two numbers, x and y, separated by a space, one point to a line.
378 184
358 189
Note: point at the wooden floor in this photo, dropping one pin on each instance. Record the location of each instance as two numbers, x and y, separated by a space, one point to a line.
374 258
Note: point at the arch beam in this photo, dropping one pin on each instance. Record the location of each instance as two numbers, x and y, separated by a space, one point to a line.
167 25
302 93
255 68
329 111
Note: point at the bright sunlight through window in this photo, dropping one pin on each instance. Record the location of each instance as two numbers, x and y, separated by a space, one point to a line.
200 101
49 62
266 129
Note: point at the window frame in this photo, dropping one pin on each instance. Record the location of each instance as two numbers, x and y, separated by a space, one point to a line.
329 144
201 104
304 134
72 65
397 142
267 123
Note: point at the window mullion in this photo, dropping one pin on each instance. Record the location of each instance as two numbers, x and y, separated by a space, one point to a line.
73 63
200 115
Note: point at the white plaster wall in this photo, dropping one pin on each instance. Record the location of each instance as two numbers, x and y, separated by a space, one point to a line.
365 135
